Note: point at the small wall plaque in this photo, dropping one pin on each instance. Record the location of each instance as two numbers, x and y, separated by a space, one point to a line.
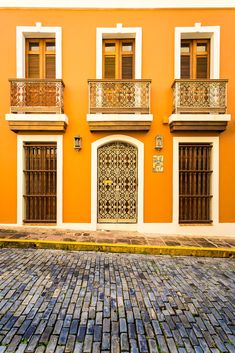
158 166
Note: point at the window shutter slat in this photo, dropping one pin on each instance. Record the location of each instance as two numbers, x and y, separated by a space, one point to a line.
109 67
202 67
33 66
50 66
185 66
127 67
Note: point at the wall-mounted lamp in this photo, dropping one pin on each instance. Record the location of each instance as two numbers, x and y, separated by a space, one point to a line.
77 143
158 142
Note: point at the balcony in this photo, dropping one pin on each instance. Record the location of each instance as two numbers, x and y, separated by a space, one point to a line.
199 105
36 104
119 105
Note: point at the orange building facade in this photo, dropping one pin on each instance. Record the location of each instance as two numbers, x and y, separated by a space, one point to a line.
118 118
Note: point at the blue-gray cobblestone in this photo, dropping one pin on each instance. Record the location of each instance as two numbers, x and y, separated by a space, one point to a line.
64 302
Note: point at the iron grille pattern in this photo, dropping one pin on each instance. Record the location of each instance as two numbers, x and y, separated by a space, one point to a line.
40 182
196 96
37 95
119 96
195 183
117 183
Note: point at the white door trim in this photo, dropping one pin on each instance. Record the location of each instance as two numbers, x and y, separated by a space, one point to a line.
214 176
140 147
20 177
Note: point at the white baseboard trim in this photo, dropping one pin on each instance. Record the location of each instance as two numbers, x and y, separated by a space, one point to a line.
220 229
78 226
118 226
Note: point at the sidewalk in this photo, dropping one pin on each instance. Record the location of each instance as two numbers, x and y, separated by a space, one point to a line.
117 241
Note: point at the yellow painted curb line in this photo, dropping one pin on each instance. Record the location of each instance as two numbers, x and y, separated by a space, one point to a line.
118 248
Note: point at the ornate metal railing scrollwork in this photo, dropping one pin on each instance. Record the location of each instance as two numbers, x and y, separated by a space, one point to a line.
119 96
200 96
37 96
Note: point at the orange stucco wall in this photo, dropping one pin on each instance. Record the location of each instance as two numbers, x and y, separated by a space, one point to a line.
79 64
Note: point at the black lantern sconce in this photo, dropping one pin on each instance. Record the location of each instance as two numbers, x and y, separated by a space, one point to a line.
159 142
77 143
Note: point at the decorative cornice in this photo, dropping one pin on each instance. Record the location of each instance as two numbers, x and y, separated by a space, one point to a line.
117 4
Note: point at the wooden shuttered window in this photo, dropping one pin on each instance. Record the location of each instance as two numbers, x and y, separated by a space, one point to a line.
118 58
40 58
40 182
195 59
195 183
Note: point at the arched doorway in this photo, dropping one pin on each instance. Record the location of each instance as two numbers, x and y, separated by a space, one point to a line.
134 159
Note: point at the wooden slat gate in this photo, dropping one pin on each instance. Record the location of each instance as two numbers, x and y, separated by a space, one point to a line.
40 182
195 183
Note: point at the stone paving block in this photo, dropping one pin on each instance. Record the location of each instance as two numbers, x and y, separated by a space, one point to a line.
32 344
162 344
124 342
87 348
21 348
95 347
142 343
123 325
105 341
97 333
46 335
78 347
51 347
63 336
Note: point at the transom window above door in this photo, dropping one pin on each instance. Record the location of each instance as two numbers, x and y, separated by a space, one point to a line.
195 58
118 58
40 58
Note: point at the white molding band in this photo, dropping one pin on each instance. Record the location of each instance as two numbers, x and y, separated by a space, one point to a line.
36 117
121 32
139 4
140 147
20 177
37 31
197 32
199 117
119 117
214 178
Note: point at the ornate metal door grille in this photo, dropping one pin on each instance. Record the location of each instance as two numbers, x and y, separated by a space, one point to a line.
195 183
117 183
40 182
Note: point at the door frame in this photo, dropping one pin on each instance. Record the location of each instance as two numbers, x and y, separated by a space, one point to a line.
20 174
140 175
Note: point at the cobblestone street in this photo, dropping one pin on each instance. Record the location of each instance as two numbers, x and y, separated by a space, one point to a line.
58 301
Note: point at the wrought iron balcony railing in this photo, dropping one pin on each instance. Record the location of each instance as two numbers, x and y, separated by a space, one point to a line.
200 96
37 96
119 96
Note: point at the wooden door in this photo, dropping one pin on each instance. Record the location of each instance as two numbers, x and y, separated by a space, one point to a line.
195 183
118 58
195 59
40 182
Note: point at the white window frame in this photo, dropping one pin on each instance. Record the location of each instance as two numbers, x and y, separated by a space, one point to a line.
214 177
20 173
37 31
122 33
199 32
